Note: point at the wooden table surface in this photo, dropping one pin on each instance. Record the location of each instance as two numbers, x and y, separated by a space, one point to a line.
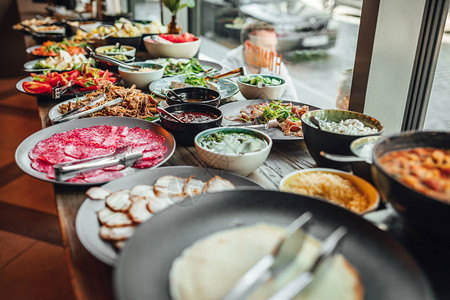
92 279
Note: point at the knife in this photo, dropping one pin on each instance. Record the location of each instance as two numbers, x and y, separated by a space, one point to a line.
274 263
83 113
298 284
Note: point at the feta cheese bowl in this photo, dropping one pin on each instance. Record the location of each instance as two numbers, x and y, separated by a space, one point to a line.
338 129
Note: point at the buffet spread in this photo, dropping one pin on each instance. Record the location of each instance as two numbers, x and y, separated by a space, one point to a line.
197 207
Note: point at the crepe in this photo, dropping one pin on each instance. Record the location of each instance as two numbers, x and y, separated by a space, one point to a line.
209 268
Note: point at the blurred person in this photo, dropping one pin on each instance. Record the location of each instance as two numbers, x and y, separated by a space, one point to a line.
262 36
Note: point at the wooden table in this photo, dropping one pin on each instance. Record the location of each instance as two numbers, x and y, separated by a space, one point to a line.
91 279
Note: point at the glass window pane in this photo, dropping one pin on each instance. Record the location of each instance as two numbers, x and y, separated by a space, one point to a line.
438 112
316 38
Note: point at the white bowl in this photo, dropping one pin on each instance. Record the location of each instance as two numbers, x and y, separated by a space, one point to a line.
128 50
173 50
242 164
250 91
362 185
141 79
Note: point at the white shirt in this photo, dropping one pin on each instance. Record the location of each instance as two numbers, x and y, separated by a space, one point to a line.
235 59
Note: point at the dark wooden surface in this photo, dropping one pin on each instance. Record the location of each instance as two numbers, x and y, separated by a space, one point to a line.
91 279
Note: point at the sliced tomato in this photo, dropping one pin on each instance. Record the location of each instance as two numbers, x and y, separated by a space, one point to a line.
72 75
34 87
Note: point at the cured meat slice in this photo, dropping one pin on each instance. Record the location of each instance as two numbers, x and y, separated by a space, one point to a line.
119 201
169 185
41 166
138 211
113 219
142 191
152 154
148 163
97 193
103 176
157 204
115 168
193 186
116 233
217 184
151 145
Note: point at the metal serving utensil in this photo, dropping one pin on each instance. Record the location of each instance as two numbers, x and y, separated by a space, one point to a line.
58 91
327 251
80 108
111 60
232 73
162 110
272 123
273 263
88 111
122 155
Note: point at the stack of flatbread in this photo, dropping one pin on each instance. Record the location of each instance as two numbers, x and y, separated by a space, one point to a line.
210 267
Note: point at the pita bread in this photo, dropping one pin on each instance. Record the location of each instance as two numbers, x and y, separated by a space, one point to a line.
209 268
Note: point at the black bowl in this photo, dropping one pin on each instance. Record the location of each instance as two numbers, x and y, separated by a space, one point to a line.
195 95
42 37
317 140
134 41
419 210
185 133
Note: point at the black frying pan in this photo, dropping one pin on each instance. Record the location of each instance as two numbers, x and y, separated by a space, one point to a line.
142 272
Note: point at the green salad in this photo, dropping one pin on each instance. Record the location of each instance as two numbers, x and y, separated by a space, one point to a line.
254 80
176 67
193 79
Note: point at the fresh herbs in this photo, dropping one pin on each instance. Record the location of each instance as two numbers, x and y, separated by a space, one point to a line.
195 80
176 67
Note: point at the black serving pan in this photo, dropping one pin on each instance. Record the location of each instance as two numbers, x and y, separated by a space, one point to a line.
420 211
387 271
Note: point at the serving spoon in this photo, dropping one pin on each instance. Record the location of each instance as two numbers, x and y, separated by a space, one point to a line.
162 110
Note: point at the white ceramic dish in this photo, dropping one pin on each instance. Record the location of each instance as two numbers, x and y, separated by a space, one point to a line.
141 79
125 50
362 185
173 50
242 164
250 91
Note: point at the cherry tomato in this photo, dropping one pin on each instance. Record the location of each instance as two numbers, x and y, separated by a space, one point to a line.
34 87
90 88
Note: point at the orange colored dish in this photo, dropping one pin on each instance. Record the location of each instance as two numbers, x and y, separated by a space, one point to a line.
426 170
51 48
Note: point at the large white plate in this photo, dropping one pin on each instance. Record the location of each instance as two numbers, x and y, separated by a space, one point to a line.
87 224
232 109
24 161
227 88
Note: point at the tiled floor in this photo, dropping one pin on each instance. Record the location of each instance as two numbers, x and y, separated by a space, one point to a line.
32 261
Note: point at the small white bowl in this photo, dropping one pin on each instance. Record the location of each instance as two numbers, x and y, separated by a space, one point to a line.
173 50
250 91
141 79
126 50
362 185
242 164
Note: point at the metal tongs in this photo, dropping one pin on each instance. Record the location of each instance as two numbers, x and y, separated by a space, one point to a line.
270 124
111 60
122 156
58 91
274 263
327 251
232 73
80 112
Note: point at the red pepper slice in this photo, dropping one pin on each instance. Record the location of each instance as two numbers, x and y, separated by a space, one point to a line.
90 88
34 87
